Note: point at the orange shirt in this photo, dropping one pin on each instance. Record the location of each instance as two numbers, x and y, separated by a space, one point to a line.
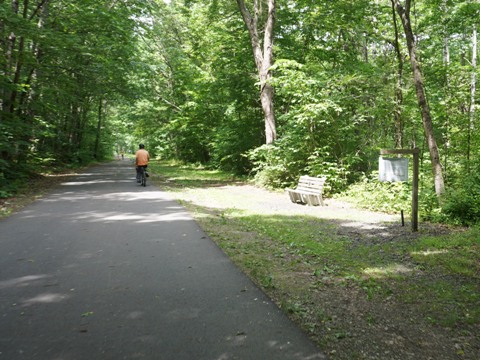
141 157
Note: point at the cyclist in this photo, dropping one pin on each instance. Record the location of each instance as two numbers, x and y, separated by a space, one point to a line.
142 158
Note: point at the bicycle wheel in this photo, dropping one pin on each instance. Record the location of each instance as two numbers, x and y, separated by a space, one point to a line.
144 177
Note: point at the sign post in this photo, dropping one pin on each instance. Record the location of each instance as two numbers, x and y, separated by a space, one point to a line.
415 152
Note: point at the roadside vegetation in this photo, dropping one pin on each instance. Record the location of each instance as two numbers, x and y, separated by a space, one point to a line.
360 295
30 185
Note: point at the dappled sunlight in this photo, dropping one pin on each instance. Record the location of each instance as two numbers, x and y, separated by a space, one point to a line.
429 252
133 196
386 271
94 182
140 217
170 211
87 174
22 281
116 196
365 226
134 315
148 218
61 175
46 298
359 231
283 346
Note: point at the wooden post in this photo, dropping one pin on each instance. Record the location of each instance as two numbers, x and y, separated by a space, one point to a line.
415 190
415 152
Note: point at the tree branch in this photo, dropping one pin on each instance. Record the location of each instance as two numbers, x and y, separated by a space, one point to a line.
39 6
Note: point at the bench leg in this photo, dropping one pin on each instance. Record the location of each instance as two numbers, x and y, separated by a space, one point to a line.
294 197
313 199
306 199
320 200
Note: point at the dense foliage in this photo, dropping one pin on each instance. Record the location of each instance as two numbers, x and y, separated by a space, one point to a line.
83 79
63 65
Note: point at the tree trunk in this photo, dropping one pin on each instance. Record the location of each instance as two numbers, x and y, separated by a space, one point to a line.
447 92
263 59
19 62
473 88
397 111
99 129
404 13
9 61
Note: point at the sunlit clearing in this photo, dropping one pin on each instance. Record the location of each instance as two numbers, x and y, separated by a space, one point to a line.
395 269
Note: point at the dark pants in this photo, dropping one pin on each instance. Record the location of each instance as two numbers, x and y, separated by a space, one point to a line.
138 170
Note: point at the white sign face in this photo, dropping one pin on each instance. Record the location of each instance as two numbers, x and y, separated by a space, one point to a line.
393 169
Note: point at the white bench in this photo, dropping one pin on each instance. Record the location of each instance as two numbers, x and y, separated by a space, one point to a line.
308 191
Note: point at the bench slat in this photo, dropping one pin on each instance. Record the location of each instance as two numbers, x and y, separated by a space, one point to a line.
308 191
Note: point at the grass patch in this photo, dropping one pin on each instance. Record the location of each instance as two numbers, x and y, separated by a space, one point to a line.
188 176
457 254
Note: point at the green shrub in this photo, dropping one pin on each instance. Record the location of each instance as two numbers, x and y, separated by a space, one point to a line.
461 204
281 164
335 173
429 207
369 193
269 166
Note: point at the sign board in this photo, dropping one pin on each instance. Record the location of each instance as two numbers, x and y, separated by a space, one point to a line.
392 169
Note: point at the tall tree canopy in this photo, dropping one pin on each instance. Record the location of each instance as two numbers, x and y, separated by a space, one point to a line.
62 64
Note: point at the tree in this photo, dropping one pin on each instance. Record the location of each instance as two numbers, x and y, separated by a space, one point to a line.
404 13
57 61
399 86
473 88
263 56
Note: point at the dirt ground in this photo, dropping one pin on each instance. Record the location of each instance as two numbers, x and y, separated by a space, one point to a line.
353 326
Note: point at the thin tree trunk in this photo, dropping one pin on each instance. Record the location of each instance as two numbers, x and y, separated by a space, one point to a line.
397 111
473 88
9 60
263 59
99 129
404 13
19 62
446 64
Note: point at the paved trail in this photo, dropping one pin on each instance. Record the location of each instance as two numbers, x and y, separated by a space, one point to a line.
105 269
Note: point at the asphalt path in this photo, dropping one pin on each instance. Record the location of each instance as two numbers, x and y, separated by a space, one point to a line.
102 268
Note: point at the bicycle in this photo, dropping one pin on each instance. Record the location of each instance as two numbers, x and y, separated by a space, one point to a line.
142 176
